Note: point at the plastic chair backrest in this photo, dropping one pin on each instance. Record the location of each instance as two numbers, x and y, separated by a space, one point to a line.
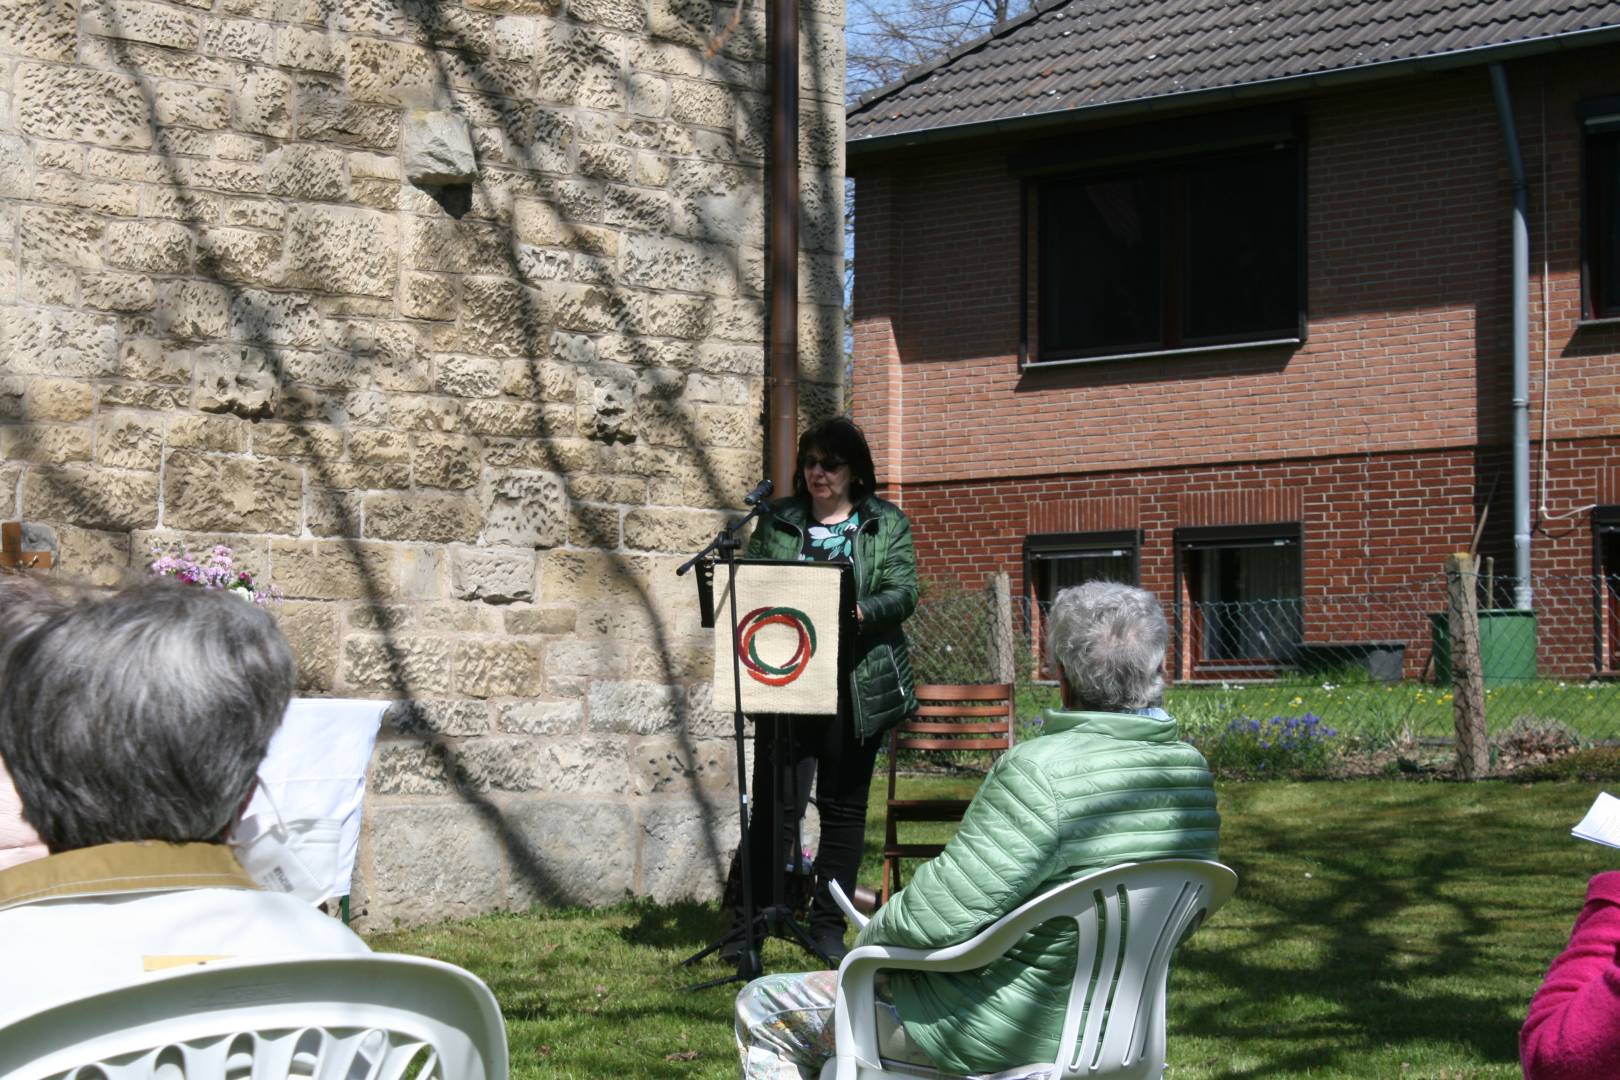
379 1017
1130 919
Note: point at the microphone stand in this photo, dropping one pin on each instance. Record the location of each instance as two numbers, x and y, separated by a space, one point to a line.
778 916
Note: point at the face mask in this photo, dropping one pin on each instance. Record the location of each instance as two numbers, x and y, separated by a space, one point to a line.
294 857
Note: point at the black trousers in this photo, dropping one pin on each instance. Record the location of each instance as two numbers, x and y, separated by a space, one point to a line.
826 748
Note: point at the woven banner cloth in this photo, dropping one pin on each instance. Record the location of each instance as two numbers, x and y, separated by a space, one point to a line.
787 637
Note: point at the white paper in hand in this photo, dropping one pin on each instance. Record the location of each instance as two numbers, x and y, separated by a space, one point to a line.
1601 824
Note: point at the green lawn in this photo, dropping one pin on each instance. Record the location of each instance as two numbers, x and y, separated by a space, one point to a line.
1378 710
1380 929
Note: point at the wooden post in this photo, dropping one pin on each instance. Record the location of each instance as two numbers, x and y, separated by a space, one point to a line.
999 592
1467 679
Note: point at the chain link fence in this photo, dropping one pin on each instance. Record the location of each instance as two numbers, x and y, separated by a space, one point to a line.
1376 664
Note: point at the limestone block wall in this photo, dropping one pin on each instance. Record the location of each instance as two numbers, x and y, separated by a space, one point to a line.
447 315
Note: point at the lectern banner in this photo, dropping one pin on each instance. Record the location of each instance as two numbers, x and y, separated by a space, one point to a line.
787 637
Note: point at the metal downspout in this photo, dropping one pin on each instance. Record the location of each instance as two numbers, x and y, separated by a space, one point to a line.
1523 597
782 365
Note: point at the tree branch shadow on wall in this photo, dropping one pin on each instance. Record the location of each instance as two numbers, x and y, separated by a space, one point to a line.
616 309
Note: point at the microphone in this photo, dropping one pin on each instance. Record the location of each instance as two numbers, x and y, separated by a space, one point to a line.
761 491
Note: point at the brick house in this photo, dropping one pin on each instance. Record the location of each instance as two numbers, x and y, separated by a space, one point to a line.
1219 300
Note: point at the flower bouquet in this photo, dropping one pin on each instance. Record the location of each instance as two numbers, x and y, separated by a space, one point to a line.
216 570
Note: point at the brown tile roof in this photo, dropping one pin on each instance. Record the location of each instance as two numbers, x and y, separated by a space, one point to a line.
1110 55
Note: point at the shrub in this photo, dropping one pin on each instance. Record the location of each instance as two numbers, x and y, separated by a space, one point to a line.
1280 746
1594 764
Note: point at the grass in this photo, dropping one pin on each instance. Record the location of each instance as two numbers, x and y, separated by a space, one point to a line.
1380 929
1378 710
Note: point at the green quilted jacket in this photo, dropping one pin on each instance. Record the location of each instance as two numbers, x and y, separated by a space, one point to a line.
1092 791
881 689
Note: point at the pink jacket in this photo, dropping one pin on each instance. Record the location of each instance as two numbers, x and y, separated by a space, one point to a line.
1573 1030
18 841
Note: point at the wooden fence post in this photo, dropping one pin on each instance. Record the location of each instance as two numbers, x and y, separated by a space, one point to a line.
1467 678
999 592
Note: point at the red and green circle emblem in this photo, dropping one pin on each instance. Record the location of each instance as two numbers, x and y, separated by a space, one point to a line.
747 644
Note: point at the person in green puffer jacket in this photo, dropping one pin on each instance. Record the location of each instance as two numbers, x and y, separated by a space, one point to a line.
1106 782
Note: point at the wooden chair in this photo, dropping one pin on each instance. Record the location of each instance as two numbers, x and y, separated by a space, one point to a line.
971 717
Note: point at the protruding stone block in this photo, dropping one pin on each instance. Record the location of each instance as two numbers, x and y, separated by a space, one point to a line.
437 148
496 577
527 509
236 379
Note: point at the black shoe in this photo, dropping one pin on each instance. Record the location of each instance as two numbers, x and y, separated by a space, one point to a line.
829 941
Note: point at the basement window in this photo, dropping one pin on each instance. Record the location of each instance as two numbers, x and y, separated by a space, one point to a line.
1606 541
1057 561
1244 611
1187 255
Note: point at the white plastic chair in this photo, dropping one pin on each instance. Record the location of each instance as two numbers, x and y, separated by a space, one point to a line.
379 1017
1122 1008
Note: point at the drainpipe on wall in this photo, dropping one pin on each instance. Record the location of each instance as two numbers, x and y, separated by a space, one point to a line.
1523 597
782 365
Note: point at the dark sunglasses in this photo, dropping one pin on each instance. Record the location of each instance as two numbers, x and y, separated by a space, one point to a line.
824 464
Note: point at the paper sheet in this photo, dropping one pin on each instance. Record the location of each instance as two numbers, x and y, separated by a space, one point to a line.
1601 824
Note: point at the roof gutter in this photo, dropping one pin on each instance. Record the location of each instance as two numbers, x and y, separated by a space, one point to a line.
1266 88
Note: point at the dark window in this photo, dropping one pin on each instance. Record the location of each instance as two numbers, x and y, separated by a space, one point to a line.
1058 561
1244 599
1171 255
1606 529
1601 224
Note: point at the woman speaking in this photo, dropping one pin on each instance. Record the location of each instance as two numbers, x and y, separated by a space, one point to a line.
835 516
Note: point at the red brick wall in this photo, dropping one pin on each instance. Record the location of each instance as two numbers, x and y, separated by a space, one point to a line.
1383 433
1408 200
1375 530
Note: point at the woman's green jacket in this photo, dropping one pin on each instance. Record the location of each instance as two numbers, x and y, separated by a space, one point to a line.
881 690
1093 791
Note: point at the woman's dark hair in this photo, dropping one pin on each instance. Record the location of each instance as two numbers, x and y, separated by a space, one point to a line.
838 438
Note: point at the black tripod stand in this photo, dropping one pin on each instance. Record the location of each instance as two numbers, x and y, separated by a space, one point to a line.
776 918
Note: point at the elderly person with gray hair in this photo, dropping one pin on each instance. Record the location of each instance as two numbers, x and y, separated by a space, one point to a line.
1106 782
134 725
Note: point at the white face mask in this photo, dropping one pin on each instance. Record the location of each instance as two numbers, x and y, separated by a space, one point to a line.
295 857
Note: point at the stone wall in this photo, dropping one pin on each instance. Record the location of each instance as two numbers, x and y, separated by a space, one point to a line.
449 318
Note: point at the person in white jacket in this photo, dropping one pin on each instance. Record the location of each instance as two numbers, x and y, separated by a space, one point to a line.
24 603
134 725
